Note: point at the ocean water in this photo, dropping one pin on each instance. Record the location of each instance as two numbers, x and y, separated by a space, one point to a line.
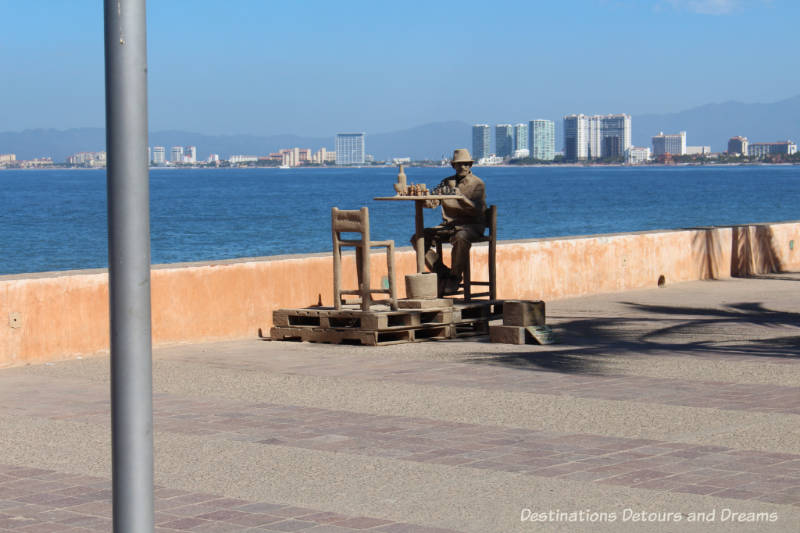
56 219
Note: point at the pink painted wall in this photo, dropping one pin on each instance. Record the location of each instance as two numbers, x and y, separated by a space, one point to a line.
59 315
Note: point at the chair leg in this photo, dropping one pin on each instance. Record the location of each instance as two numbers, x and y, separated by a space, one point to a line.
337 276
362 258
492 270
390 271
468 280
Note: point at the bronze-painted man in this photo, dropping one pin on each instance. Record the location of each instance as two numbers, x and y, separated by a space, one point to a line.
463 222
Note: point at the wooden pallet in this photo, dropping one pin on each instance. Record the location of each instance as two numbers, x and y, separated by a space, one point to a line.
366 338
360 320
381 327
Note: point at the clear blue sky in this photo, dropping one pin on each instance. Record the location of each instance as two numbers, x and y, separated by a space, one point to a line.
317 67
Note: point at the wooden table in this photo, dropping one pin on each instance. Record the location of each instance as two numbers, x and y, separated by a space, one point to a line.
419 220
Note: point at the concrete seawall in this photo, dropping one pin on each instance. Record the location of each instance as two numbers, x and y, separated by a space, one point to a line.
58 315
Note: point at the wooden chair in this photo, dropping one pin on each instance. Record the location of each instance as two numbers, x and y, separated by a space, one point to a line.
465 287
358 222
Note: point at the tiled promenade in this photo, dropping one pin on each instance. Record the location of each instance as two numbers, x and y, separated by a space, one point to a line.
674 409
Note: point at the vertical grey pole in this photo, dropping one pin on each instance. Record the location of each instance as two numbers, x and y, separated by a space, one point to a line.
129 266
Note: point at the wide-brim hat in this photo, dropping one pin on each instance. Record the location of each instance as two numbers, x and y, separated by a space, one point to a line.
461 155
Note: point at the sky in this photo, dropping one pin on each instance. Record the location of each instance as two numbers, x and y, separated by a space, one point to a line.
314 68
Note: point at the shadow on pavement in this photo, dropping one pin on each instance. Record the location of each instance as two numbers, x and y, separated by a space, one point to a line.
733 330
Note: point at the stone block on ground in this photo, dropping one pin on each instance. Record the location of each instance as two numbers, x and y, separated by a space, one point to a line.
523 313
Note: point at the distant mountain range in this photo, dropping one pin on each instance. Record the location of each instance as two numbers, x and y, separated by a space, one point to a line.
708 125
713 124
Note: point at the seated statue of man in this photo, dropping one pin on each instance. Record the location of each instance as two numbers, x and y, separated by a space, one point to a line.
463 222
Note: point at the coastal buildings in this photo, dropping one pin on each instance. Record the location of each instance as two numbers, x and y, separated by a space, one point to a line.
239 159
615 135
503 141
190 154
480 141
737 145
159 155
673 144
520 138
764 149
87 159
176 154
350 149
596 136
323 156
576 134
542 139
7 159
698 150
636 155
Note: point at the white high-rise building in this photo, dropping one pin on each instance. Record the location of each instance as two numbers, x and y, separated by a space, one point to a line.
674 144
593 137
596 137
159 155
520 137
542 139
176 154
350 149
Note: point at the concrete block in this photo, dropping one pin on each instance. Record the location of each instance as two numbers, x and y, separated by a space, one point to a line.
523 313
507 334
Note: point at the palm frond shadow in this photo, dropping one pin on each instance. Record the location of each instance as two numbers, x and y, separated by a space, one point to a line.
657 329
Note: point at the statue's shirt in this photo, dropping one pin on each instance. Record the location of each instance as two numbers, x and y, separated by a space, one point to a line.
459 212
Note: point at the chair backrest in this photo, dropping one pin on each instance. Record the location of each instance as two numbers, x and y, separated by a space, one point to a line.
491 221
353 221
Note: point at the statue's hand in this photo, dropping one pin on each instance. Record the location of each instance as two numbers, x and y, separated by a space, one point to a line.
430 204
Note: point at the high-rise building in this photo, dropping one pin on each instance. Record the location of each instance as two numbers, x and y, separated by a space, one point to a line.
674 144
503 140
520 137
190 154
159 155
176 155
350 149
593 137
737 145
480 141
542 139
576 133
615 135
596 137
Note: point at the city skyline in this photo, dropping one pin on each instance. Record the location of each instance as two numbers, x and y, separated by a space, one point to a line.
260 68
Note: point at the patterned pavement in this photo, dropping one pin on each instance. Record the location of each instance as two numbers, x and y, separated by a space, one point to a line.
253 400
44 501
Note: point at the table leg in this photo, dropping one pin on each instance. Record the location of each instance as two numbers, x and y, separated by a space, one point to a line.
419 222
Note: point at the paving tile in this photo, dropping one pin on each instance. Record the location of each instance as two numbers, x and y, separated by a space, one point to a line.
362 522
291 525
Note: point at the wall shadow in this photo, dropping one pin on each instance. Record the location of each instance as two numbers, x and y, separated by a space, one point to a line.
707 247
753 251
